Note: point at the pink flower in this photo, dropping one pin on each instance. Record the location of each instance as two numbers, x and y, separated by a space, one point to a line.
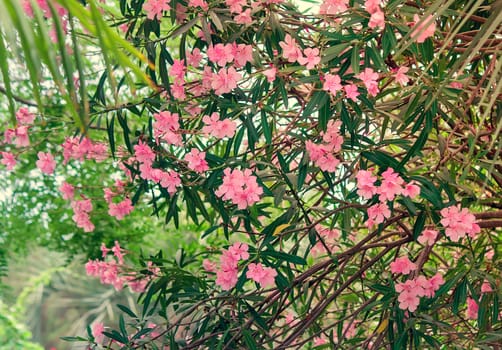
332 136
24 116
178 90
46 163
265 276
121 209
270 73
392 185
332 83
242 54
369 78
81 211
423 30
366 184
377 19
166 127
458 223
411 190
351 91
240 187
489 254
154 8
244 17
218 128
333 7
118 252
235 5
436 281
208 265
408 301
170 180
104 250
226 279
290 49
194 58
97 332
199 3
143 153
239 251
178 70
402 265
409 295
196 160
8 159
428 237
472 309
22 139
225 80
377 214
486 287
372 6
318 341
220 54
311 58
322 156
67 190
401 77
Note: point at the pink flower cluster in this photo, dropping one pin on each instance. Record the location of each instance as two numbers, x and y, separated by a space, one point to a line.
458 222
240 187
400 75
333 7
218 128
46 163
391 186
227 274
114 272
411 290
9 160
79 149
369 79
264 276
166 128
18 136
402 265
196 160
121 209
292 52
323 155
377 18
81 210
472 309
428 237
155 8
24 116
238 54
169 179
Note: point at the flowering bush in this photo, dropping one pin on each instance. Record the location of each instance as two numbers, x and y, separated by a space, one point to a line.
313 149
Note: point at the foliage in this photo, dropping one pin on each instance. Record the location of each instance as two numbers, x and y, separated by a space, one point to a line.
12 333
343 165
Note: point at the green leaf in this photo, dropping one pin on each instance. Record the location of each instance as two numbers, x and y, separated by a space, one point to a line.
4 68
459 296
127 310
281 256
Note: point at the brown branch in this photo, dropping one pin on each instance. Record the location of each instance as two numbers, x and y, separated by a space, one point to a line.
18 99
